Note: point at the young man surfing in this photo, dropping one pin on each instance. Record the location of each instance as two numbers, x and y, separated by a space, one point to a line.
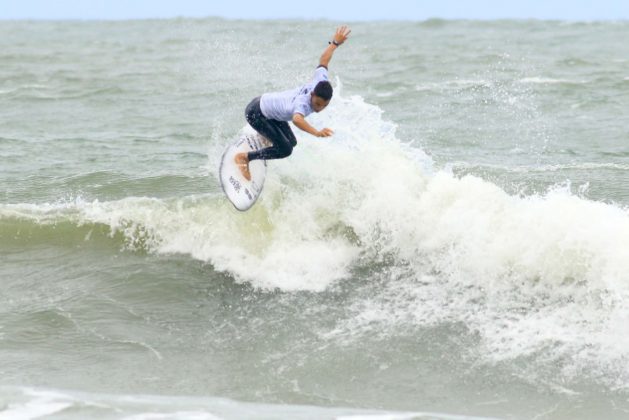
269 114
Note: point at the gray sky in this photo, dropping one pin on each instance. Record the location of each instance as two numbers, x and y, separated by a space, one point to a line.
329 9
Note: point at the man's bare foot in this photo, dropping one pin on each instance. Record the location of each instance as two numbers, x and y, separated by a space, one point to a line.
242 160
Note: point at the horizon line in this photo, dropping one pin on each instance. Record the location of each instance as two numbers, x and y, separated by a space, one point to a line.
314 19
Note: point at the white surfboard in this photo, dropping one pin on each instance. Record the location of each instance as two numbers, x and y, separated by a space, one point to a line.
241 192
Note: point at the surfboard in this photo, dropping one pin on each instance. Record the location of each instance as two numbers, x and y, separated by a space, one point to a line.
239 191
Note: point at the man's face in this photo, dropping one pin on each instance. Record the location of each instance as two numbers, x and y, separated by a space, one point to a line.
318 103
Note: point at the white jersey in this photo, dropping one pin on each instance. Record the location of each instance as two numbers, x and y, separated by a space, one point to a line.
282 106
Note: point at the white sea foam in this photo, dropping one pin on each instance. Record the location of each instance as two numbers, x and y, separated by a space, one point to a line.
37 404
580 166
32 403
549 81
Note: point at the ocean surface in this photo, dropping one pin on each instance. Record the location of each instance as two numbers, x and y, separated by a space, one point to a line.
458 249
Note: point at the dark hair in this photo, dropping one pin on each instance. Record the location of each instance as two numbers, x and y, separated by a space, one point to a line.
323 90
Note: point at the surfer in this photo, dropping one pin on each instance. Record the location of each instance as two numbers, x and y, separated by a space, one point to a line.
269 114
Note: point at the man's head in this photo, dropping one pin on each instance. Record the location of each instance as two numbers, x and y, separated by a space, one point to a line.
321 95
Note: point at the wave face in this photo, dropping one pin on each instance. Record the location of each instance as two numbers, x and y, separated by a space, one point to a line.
525 273
460 245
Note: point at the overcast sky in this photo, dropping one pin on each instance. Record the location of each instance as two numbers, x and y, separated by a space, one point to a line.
341 10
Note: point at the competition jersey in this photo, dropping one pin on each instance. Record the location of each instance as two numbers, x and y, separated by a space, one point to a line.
282 106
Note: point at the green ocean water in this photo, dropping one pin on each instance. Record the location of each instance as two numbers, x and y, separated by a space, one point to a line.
459 247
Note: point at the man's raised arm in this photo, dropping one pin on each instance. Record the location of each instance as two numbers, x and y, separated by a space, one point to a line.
339 37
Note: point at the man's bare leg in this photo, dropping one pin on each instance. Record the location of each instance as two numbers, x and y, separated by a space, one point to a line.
242 160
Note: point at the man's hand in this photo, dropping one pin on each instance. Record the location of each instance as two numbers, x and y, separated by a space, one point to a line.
302 124
326 132
341 34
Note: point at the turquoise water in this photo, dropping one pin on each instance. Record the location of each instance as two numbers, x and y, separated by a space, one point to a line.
459 247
